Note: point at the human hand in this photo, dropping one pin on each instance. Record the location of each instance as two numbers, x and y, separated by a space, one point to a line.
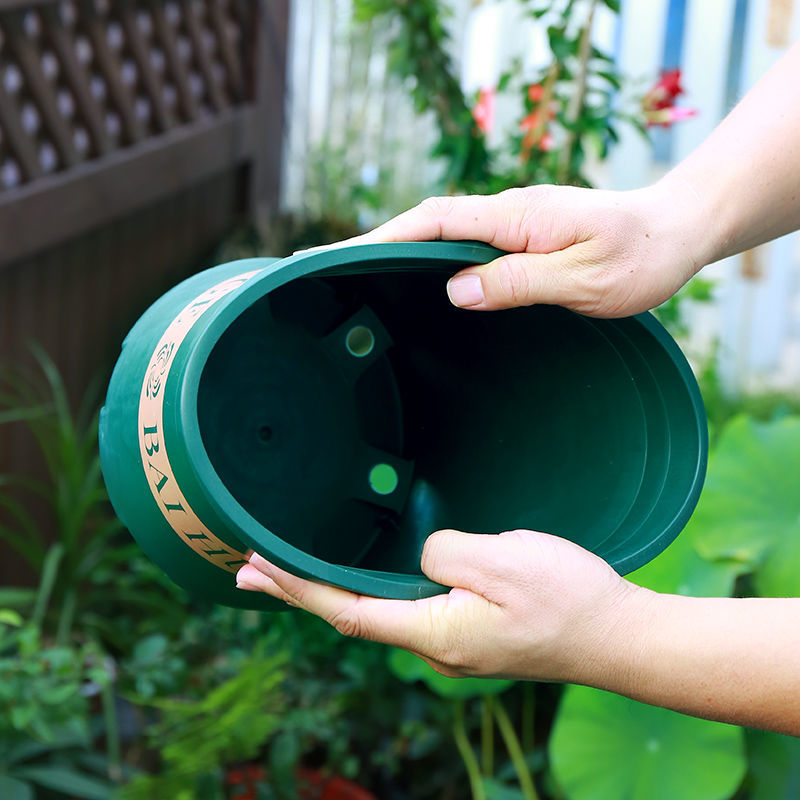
601 253
525 605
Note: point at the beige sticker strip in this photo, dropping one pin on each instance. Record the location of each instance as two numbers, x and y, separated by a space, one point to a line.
158 470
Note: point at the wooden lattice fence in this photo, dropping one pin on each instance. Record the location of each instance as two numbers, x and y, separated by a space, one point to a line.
134 134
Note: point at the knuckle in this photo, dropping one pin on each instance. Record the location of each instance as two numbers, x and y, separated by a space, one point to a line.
513 280
518 535
452 648
537 193
594 289
348 623
437 207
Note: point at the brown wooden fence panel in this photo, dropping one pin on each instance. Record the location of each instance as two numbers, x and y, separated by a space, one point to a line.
134 134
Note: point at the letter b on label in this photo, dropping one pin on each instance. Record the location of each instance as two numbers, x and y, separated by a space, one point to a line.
150 435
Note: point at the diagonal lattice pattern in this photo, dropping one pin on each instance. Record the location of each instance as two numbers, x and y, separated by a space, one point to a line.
80 79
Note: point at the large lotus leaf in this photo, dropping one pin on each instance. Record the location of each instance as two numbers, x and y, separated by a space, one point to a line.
410 668
680 569
607 747
750 508
774 766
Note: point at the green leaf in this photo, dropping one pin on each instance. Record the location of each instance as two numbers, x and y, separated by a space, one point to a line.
284 755
47 581
28 749
410 668
611 77
562 46
13 789
680 569
505 79
21 716
750 507
59 694
16 597
151 648
68 781
495 790
774 766
607 746
9 617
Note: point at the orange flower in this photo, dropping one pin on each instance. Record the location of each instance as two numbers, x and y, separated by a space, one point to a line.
535 92
535 128
483 111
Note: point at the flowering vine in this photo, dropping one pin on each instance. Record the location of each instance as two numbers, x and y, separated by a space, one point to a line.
570 108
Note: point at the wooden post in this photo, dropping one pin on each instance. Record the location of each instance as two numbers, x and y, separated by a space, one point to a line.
269 88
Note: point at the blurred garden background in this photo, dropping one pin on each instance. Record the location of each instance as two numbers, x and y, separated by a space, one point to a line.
144 140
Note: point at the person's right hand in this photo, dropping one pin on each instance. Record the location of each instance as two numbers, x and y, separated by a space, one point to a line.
601 253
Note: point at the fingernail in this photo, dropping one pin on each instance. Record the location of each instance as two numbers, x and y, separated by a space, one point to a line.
465 291
261 564
248 587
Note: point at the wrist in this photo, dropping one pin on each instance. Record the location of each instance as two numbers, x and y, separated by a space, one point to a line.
686 223
617 643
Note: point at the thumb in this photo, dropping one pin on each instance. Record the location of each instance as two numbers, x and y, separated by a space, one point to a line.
517 279
462 560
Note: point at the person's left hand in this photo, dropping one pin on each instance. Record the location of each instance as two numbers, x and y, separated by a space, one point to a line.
525 605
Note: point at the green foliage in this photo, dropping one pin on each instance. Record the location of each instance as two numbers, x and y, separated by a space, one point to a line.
92 569
722 406
197 737
215 686
418 53
483 783
73 491
41 686
45 738
774 766
409 667
681 569
747 523
672 313
342 190
750 511
606 746
571 113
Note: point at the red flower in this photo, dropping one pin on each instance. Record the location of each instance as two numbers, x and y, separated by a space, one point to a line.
670 83
535 92
530 122
244 779
483 112
314 785
658 104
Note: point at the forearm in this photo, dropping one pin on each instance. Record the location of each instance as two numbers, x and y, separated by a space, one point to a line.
745 177
730 659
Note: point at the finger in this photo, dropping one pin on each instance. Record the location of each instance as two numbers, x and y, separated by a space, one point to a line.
403 623
464 560
495 219
250 579
520 279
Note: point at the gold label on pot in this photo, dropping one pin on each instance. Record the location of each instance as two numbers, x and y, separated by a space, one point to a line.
158 471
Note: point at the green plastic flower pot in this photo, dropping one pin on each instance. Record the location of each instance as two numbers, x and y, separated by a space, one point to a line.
332 409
